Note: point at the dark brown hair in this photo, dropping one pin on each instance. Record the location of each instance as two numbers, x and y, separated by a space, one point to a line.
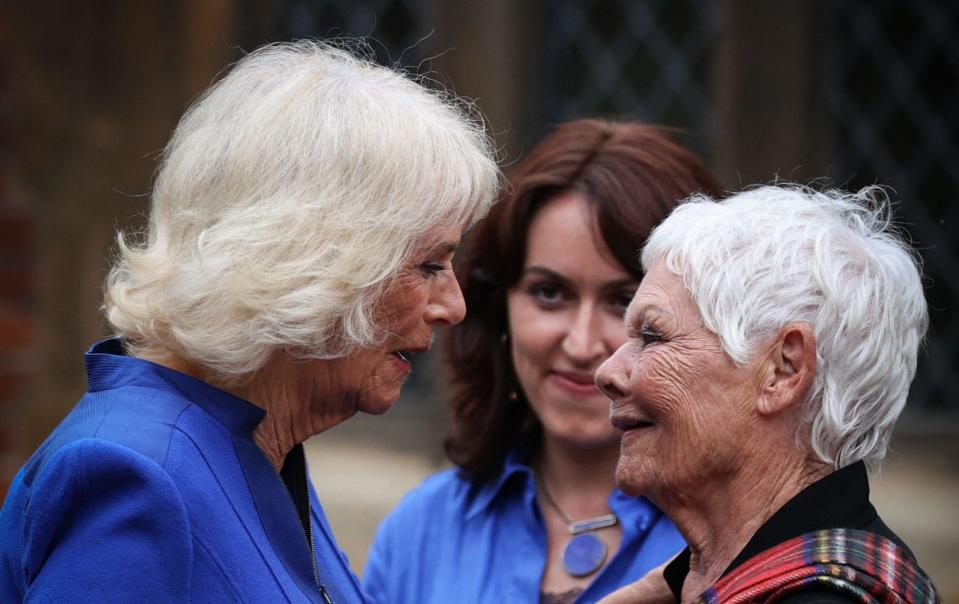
633 174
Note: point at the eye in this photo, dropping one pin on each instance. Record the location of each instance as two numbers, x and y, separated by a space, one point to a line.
433 268
649 335
546 293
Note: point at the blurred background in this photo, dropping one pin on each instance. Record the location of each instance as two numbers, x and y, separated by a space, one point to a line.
851 93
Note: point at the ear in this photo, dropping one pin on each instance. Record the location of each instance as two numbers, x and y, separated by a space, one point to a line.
792 364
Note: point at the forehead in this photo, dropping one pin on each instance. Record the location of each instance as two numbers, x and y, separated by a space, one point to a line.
660 292
563 235
440 238
567 213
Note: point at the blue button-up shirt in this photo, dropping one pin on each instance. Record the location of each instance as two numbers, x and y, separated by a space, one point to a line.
450 540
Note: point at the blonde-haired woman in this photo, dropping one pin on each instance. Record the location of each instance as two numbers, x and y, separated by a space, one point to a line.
302 228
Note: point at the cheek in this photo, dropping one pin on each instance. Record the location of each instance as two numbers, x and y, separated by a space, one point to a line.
533 333
404 304
614 332
665 382
410 308
699 424
365 370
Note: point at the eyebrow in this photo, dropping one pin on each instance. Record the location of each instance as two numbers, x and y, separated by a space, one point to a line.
446 247
545 272
551 274
633 316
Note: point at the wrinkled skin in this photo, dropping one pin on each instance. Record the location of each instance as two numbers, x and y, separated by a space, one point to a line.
677 377
304 398
651 589
712 442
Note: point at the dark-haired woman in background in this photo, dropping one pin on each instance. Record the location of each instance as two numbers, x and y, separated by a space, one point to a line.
532 512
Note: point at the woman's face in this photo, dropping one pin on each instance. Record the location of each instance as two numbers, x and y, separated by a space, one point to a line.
682 403
423 296
565 318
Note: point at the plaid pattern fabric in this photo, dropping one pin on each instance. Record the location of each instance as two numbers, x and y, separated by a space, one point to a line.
864 566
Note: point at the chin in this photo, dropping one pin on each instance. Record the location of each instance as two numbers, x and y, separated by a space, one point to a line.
381 410
630 481
589 440
378 407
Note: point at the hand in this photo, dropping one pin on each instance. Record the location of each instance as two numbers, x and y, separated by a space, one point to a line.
651 589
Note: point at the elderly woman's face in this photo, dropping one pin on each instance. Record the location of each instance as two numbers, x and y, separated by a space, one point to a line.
565 318
425 295
684 407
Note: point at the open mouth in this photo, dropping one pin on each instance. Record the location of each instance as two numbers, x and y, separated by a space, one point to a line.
406 354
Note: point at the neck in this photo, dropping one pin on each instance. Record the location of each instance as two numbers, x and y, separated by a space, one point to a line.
286 389
285 424
579 479
722 516
300 401
163 357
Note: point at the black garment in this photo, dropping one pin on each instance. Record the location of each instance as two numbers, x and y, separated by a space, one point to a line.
294 477
839 500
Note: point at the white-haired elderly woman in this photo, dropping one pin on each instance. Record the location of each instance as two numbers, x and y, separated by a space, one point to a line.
771 346
300 238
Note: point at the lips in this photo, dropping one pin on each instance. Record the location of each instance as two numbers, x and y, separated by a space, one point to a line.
581 384
626 420
576 378
406 354
627 425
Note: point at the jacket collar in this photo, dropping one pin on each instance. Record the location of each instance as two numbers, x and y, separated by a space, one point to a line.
838 500
109 367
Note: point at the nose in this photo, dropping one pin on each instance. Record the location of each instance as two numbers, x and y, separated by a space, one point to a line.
448 306
611 377
583 342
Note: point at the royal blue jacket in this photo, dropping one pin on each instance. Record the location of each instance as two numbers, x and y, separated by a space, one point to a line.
152 490
451 540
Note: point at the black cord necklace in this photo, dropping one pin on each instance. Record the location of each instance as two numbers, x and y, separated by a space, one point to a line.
585 552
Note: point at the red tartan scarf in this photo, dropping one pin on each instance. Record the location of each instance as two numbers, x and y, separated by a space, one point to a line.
858 564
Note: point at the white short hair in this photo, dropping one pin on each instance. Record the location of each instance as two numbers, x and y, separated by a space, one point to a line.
775 255
289 195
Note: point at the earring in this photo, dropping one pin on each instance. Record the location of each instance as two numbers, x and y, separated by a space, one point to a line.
503 338
513 396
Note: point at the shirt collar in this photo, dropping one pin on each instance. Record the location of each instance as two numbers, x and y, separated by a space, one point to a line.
109 367
838 500
636 514
515 464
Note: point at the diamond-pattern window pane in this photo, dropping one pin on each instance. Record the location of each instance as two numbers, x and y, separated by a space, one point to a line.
646 59
398 30
892 79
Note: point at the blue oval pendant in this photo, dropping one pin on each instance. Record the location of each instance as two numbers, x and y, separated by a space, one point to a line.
584 554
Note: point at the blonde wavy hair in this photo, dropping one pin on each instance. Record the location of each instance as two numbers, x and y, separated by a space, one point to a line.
289 195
